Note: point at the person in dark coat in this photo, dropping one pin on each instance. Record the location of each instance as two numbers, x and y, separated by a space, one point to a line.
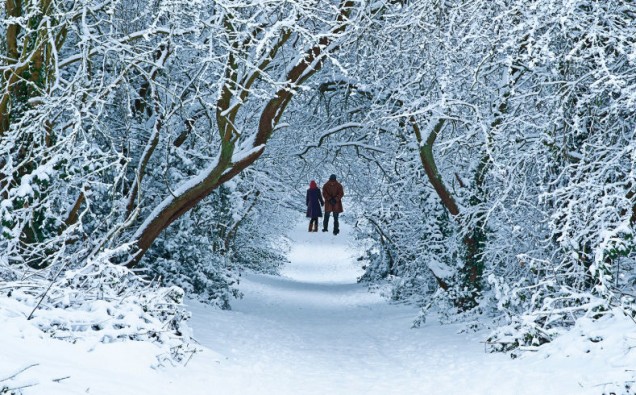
333 193
314 202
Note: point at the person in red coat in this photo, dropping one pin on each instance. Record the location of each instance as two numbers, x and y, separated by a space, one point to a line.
333 193
314 202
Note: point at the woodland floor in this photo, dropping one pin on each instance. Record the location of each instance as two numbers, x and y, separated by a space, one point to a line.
314 330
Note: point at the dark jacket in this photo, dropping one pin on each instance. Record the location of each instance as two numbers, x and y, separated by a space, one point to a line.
314 201
333 190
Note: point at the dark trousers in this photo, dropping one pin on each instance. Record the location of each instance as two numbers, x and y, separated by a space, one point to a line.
325 222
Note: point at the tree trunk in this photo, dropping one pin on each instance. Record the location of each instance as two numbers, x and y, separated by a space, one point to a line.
428 162
473 265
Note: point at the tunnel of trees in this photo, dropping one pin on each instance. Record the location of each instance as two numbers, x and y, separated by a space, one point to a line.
487 147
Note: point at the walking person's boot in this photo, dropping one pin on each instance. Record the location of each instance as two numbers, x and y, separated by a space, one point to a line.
336 226
325 222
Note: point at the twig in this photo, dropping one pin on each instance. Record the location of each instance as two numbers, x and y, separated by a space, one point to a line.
21 387
191 355
48 288
44 295
61 378
19 371
609 383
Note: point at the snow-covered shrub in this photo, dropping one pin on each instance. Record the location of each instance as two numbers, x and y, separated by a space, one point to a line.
267 256
184 257
210 280
378 262
538 311
101 302
205 250
258 239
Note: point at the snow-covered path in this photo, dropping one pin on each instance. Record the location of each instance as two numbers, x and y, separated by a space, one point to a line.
315 331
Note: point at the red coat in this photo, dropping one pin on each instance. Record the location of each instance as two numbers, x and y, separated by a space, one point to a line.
333 190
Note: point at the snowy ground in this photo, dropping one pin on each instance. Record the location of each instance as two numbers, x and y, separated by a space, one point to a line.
315 331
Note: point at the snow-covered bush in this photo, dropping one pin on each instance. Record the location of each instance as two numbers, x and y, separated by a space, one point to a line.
556 309
204 252
101 302
544 303
191 253
256 238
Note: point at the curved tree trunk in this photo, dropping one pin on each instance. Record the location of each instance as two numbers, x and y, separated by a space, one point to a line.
472 243
428 162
